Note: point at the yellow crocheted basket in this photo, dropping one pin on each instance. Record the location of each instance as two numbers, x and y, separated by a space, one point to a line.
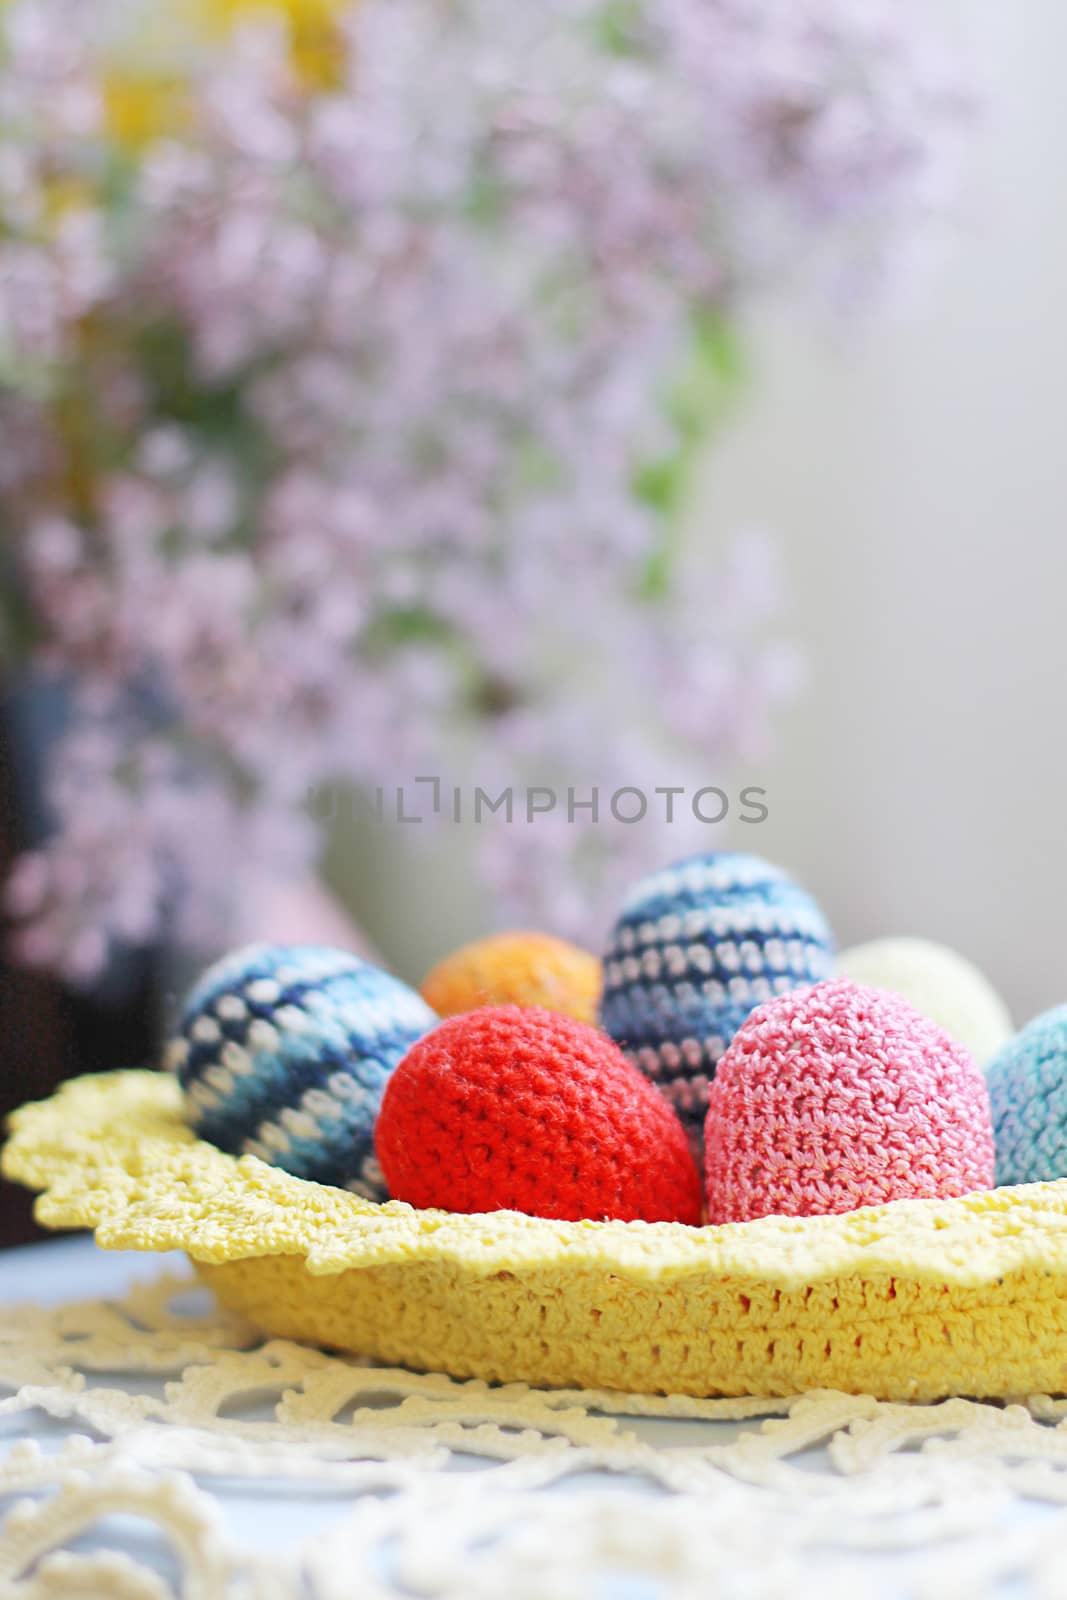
914 1300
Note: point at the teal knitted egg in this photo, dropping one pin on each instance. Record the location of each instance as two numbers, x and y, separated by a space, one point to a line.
283 1052
1028 1094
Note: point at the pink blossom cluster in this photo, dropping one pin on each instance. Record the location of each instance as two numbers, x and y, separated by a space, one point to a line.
346 428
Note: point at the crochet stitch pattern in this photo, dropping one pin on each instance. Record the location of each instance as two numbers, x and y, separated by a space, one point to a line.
838 1097
523 969
1028 1093
283 1052
940 983
767 1499
515 1108
914 1300
696 948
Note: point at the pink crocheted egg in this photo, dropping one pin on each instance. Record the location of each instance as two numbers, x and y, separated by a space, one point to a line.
839 1096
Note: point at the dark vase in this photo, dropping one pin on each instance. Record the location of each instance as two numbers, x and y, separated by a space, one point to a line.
48 1031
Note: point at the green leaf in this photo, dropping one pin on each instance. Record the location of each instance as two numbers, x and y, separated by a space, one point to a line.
697 401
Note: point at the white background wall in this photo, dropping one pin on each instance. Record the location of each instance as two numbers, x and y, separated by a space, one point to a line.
917 476
918 479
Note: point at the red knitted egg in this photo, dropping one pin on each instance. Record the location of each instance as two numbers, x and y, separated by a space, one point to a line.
516 1108
839 1096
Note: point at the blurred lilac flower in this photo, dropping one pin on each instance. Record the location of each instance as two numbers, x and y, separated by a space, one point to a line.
353 420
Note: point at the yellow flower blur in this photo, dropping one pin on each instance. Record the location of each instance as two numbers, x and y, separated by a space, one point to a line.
312 29
144 99
142 108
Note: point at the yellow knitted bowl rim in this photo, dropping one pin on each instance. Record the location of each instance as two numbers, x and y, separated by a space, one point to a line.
111 1152
914 1300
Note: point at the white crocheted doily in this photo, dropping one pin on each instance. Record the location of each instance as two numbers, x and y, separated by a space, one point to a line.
160 1406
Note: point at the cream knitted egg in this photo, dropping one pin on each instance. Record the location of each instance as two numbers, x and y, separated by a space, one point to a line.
943 985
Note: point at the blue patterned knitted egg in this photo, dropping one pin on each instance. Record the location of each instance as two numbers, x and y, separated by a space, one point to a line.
697 947
1027 1083
284 1051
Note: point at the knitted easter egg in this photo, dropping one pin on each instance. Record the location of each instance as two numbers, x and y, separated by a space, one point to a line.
837 1097
1028 1092
697 946
520 1109
283 1052
944 986
523 969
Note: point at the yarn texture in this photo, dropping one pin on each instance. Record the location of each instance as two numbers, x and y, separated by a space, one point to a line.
283 1052
940 983
696 948
521 1109
1028 1093
914 1300
838 1097
523 969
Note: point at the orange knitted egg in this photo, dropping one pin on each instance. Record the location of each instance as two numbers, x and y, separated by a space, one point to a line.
521 969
